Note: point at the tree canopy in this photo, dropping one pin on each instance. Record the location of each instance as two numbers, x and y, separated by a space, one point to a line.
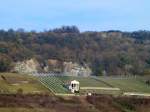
115 52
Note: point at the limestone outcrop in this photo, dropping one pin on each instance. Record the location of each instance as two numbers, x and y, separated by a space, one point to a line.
75 69
28 66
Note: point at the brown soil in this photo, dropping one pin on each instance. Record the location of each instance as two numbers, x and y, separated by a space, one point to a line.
100 103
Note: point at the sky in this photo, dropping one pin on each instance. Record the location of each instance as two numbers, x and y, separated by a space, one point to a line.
87 15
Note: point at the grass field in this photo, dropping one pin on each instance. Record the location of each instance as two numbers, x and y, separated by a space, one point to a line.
12 82
84 81
128 84
57 84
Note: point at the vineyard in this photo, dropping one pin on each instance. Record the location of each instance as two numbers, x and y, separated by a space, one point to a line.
54 84
59 84
109 85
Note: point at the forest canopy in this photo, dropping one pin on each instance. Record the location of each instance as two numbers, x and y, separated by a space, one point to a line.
114 52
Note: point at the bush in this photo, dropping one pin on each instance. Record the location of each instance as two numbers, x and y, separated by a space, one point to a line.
20 91
5 63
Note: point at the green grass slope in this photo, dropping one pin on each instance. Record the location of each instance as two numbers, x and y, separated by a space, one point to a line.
128 84
11 83
57 84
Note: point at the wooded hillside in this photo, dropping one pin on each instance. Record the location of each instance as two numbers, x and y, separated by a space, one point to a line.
112 52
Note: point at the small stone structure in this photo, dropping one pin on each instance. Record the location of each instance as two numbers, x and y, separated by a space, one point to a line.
74 86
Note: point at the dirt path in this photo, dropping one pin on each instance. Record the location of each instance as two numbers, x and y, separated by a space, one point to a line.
101 88
136 94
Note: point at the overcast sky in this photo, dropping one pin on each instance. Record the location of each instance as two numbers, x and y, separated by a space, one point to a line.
100 15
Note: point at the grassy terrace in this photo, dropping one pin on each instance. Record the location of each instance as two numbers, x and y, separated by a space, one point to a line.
128 84
57 84
54 84
13 82
84 81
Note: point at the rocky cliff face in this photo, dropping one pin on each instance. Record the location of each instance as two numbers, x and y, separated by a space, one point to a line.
75 69
68 68
28 66
55 65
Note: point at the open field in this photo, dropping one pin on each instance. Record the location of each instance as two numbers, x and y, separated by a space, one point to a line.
111 85
128 84
57 84
11 83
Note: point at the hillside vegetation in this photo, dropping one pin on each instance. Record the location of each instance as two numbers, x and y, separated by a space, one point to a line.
110 52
